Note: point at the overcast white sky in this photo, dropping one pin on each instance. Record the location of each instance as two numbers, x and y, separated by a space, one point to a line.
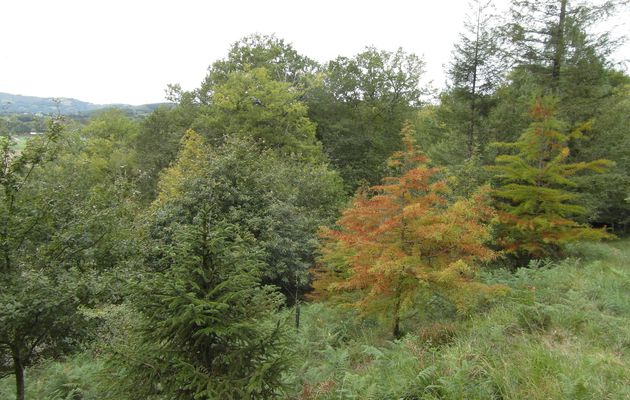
127 51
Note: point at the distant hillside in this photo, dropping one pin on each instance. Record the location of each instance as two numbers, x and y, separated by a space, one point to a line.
18 104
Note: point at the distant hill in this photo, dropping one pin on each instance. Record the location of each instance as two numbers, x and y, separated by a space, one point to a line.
18 104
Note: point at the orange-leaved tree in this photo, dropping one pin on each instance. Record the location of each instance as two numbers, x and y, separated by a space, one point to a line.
536 206
402 239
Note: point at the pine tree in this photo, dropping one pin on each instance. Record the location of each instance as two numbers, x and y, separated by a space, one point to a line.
401 239
536 207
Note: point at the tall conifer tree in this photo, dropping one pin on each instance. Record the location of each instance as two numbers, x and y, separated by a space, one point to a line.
475 71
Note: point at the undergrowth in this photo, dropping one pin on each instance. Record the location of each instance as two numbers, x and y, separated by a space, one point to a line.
562 332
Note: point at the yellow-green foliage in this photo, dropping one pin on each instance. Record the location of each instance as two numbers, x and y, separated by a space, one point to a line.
189 165
250 104
537 209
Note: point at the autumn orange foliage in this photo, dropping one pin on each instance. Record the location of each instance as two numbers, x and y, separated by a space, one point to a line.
403 239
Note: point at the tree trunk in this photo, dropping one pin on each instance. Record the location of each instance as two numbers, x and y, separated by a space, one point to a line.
297 316
396 323
297 301
471 127
396 331
558 48
473 88
19 376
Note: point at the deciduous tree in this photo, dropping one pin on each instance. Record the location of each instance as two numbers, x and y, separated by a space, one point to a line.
402 239
359 105
281 61
281 202
537 209
249 104
60 207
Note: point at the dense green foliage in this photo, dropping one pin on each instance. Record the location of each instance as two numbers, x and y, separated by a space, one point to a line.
360 105
280 202
252 105
55 240
171 255
207 329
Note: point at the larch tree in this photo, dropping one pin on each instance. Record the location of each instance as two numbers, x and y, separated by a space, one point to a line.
536 206
402 239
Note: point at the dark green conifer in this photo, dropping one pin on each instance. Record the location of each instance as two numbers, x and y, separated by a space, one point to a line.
209 331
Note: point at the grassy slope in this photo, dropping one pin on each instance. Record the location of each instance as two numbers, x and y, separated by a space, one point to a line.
562 333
